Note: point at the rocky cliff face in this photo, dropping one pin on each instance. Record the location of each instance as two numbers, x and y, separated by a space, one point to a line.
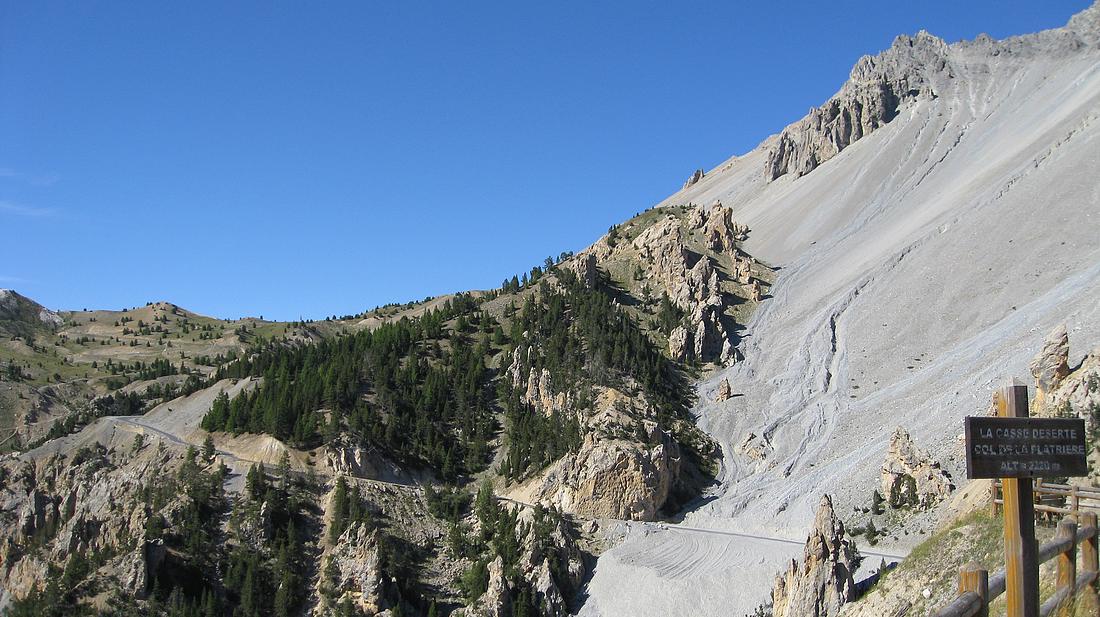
354 570
86 501
913 68
822 583
614 478
878 86
21 316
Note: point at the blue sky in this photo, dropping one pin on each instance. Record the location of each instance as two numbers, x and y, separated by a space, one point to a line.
272 160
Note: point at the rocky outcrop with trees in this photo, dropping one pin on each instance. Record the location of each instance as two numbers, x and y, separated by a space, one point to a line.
910 476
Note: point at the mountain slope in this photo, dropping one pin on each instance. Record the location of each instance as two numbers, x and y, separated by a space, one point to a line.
920 265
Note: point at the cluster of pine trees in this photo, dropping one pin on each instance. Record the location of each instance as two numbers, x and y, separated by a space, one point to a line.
416 389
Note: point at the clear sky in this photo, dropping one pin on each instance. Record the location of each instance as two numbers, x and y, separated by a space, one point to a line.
277 160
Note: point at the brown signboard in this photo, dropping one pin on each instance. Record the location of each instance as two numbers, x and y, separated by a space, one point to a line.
1025 447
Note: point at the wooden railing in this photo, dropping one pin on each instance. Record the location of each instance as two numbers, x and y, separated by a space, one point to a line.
1054 498
977 588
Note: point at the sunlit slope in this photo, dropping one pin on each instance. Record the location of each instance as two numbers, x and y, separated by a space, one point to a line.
919 267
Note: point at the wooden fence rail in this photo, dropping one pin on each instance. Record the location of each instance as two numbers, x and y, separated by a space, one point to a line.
977 588
1054 498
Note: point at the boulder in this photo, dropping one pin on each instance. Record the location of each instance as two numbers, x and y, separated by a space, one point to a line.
755 447
822 583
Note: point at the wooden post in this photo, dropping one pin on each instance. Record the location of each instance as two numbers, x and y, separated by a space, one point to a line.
1021 550
1074 500
993 497
1067 564
973 578
1089 557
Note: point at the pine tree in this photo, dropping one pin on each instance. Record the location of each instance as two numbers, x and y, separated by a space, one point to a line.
208 449
338 521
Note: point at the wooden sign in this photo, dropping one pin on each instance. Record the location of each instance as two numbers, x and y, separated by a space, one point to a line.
1025 447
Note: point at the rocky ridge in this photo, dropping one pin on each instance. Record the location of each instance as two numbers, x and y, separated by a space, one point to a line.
914 68
17 309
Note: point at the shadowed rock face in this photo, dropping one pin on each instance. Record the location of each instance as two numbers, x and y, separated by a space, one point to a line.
822 583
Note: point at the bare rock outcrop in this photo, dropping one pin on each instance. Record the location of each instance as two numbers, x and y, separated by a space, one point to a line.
551 565
355 569
344 457
694 179
610 475
1062 390
535 384
756 292
139 567
679 343
82 502
614 478
692 281
720 230
878 85
553 568
724 391
1051 365
754 447
585 267
909 473
822 583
